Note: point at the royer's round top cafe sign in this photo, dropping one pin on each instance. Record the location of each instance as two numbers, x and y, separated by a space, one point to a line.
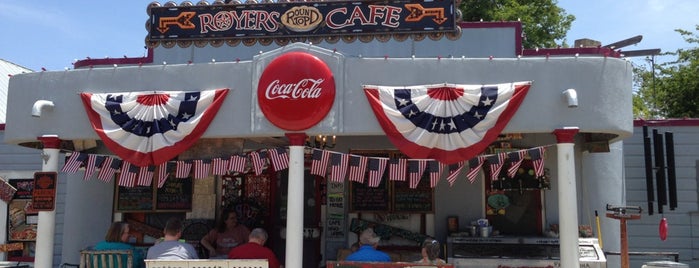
296 91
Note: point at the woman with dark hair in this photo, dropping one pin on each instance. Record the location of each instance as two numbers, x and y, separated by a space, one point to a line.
430 252
116 238
227 235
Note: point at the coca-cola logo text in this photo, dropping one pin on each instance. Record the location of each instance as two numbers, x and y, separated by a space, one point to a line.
307 88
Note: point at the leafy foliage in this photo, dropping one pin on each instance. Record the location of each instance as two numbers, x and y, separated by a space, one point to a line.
543 22
671 89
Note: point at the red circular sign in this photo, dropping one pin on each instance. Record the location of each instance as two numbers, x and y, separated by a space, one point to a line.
296 91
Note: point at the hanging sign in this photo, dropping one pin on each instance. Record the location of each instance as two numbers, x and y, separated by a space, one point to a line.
44 194
295 19
296 91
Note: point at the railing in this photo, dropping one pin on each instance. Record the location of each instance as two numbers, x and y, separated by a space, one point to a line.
675 255
356 264
210 263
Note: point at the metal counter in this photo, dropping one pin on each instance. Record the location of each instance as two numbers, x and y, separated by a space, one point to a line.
505 252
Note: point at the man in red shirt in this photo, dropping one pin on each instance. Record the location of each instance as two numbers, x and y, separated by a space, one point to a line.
255 249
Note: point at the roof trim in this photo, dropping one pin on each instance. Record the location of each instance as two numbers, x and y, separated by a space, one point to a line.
672 122
109 61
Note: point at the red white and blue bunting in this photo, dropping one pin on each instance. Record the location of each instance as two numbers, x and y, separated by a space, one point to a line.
150 128
446 122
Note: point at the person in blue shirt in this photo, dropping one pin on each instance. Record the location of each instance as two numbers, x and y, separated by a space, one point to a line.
368 241
116 238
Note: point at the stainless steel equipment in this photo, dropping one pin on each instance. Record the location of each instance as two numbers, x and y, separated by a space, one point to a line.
511 252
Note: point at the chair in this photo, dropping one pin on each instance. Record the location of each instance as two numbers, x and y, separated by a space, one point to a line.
106 259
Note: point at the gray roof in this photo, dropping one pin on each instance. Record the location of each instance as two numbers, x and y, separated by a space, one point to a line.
6 69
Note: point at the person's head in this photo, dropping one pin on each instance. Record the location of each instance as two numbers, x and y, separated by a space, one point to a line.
258 235
173 227
368 237
118 232
229 218
430 249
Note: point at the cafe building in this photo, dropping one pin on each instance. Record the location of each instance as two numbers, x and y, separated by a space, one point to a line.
315 120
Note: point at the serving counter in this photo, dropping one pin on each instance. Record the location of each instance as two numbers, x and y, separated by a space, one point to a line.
505 252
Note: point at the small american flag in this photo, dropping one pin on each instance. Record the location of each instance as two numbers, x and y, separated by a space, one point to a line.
183 169
219 166
416 167
357 168
74 162
516 159
145 176
237 163
163 172
537 156
397 168
319 162
496 162
279 158
474 166
127 178
93 161
377 166
454 170
258 161
338 167
435 169
108 168
201 168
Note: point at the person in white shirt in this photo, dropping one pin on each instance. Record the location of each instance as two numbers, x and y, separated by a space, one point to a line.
171 248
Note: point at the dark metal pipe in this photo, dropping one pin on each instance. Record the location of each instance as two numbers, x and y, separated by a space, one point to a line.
650 196
671 179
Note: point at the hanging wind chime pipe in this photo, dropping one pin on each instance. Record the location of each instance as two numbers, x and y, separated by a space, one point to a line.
599 231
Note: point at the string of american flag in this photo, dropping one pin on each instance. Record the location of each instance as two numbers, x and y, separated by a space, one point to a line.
335 166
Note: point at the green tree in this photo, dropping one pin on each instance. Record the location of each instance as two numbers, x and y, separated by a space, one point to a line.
670 89
543 22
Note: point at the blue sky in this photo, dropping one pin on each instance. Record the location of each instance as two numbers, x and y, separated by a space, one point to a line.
52 34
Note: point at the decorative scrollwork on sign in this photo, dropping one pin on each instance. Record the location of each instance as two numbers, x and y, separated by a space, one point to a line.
232 42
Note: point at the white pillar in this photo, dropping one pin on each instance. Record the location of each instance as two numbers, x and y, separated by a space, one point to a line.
567 197
295 200
45 230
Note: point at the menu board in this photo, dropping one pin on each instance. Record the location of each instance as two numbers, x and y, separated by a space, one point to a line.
369 199
176 194
137 198
418 200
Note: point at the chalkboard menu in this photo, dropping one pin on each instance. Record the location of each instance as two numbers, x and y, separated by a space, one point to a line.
138 198
369 199
418 200
176 194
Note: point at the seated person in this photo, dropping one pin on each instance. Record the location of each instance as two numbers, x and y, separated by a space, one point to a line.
430 252
227 235
171 248
368 241
255 249
116 238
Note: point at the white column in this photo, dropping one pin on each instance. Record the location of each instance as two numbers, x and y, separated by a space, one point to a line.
45 231
295 200
567 197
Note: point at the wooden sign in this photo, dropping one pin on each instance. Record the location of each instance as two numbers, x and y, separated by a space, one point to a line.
44 194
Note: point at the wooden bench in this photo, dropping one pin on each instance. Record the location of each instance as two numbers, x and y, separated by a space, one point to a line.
210 263
357 264
106 259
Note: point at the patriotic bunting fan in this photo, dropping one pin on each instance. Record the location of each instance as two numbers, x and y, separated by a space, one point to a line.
146 128
446 122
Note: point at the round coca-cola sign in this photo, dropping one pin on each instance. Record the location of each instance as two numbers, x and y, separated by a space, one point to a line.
296 91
